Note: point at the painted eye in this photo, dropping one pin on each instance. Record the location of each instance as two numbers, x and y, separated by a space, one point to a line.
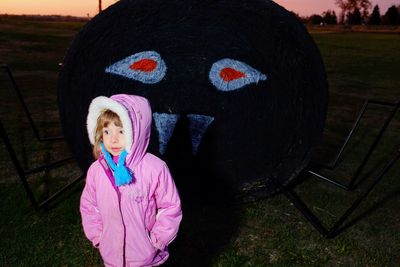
146 67
228 75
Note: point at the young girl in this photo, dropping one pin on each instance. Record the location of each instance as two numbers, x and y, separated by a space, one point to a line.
130 206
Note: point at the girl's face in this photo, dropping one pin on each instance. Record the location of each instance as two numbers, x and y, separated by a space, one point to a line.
113 139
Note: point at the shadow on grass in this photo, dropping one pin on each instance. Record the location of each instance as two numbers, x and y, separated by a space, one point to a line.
210 220
210 214
370 210
375 172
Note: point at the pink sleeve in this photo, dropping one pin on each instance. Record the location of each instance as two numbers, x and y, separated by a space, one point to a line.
91 218
169 213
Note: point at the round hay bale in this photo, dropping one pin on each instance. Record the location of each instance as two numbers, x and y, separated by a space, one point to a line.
238 88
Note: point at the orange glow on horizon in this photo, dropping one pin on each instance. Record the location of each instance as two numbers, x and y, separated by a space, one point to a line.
83 8
77 8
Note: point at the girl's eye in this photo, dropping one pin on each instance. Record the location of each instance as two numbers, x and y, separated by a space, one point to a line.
228 75
146 67
121 132
106 132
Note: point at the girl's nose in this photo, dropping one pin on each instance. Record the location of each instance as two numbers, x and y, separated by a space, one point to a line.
114 139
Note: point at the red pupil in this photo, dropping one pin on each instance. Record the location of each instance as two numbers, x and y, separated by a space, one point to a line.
145 65
229 74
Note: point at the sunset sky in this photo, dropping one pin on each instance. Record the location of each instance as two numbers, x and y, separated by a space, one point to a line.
82 8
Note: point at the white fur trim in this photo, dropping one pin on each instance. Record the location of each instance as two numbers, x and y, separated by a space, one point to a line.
101 103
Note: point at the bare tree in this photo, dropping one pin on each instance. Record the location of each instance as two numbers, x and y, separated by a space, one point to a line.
343 7
100 9
351 6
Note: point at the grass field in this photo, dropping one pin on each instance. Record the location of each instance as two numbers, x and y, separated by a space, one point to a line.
269 232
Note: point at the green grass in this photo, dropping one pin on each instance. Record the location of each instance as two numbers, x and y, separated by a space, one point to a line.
362 64
270 232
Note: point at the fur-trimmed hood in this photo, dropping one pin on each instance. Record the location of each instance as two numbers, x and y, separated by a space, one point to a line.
135 114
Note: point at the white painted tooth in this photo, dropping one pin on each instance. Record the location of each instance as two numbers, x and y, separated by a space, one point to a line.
198 125
165 124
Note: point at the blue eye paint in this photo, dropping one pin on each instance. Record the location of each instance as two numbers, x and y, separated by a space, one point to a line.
147 67
228 75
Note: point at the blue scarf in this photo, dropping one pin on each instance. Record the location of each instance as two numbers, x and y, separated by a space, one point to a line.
122 174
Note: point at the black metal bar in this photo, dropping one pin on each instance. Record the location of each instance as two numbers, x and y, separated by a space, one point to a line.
374 144
48 166
333 164
24 106
18 167
307 213
21 173
382 103
313 219
59 192
355 125
386 168
350 185
329 180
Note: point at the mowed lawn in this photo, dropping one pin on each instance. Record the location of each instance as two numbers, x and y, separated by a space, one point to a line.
268 232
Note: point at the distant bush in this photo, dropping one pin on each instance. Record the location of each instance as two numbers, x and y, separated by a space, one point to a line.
315 19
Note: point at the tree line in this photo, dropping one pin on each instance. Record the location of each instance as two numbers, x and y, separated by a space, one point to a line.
355 12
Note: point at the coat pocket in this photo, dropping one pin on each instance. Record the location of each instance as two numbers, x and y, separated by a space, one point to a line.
138 245
100 238
149 238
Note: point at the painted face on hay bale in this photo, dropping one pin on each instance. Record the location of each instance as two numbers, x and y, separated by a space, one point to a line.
237 89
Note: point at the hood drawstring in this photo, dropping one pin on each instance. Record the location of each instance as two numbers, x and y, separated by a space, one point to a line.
122 174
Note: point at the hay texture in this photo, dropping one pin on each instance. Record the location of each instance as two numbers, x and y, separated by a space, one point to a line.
238 88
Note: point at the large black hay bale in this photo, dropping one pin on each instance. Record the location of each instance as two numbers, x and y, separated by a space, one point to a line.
238 88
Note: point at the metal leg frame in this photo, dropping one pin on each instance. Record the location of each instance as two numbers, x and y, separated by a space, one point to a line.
23 104
350 185
336 228
23 174
20 171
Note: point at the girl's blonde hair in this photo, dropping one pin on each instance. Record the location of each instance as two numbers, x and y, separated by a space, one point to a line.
106 117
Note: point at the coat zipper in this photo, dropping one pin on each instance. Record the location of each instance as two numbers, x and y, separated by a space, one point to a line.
123 223
109 171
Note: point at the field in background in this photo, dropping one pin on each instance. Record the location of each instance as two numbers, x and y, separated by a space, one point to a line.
270 232
353 28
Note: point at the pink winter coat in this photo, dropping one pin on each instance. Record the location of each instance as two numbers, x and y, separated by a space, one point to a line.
132 227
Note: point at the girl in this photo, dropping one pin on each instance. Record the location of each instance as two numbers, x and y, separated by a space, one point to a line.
130 206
